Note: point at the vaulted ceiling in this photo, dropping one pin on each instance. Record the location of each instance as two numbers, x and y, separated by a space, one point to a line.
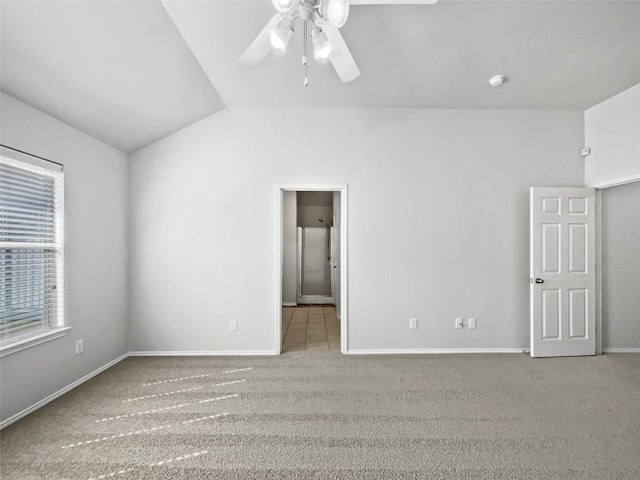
132 72
119 71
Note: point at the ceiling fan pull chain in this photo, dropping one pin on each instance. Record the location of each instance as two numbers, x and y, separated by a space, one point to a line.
304 56
304 45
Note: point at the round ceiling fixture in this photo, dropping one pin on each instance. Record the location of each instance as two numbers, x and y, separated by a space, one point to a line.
497 80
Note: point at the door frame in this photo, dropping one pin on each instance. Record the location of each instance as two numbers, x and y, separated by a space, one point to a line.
598 272
342 189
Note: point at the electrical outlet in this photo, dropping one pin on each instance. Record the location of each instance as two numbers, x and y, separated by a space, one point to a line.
472 323
459 322
233 326
79 346
413 323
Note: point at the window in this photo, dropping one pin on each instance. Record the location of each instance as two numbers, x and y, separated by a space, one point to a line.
31 248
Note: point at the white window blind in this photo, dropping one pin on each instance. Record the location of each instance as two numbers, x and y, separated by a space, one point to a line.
31 249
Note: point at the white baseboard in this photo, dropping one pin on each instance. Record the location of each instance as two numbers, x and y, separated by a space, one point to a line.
431 351
217 353
59 393
289 304
621 350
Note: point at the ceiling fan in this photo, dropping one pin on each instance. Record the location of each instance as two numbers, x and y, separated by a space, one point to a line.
326 17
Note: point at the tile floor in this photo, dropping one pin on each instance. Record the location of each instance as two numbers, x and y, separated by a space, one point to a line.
311 328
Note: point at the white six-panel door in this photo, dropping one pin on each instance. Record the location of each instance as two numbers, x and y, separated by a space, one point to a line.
562 270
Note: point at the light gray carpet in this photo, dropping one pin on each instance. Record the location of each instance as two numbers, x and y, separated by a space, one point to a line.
327 416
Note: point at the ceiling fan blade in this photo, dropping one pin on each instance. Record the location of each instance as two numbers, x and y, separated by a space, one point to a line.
260 47
341 58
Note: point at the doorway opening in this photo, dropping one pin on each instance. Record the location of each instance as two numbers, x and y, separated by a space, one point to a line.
315 248
311 267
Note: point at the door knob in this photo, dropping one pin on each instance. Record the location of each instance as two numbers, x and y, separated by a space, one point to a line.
539 280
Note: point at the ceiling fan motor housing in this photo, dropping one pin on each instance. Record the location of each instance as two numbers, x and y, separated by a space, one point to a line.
306 10
316 11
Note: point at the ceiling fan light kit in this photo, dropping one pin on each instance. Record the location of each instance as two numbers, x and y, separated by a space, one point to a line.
326 17
283 6
280 35
337 11
322 47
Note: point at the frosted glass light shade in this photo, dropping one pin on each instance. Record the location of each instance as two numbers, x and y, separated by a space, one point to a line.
280 35
283 5
322 47
336 12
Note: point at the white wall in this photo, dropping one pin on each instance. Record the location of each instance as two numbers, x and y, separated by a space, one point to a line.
621 266
612 131
438 222
95 258
289 254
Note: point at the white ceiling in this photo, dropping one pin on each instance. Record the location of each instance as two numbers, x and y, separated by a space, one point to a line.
556 54
131 72
119 71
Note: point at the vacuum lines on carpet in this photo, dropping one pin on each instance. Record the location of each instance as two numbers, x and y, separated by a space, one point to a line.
157 428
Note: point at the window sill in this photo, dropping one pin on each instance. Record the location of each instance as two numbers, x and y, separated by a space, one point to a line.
33 341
